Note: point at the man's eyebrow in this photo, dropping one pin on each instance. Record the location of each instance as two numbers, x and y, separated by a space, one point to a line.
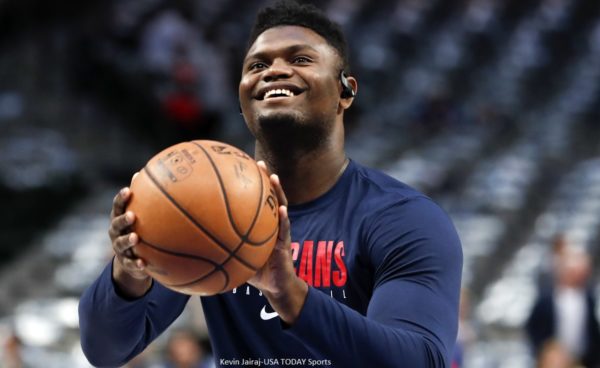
288 50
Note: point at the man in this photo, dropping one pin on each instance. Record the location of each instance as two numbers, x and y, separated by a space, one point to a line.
564 313
184 350
367 275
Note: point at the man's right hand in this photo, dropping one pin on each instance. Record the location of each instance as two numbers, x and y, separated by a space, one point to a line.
129 273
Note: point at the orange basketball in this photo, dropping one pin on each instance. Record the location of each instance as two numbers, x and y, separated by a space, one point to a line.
206 216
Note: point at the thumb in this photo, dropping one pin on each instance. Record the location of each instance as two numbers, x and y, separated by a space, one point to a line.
284 236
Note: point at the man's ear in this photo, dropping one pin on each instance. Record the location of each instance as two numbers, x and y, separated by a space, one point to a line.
349 89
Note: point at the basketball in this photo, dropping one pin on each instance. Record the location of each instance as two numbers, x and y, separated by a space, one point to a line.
206 217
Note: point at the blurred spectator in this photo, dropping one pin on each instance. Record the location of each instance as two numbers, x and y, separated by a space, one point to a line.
466 332
565 311
184 350
554 355
164 37
171 36
559 247
146 359
183 108
12 354
181 105
174 55
435 113
496 120
548 268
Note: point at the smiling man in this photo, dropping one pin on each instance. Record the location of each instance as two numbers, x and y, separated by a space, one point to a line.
366 270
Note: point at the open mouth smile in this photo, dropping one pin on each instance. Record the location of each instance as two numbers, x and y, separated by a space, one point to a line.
278 92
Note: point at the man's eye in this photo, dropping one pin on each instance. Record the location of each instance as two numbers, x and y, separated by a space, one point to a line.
257 65
301 59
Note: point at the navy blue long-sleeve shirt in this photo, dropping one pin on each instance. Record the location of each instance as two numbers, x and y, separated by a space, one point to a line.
384 267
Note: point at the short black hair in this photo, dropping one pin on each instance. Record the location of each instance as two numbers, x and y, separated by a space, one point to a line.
292 13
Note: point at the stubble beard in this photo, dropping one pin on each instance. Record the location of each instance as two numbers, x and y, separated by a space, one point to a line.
286 137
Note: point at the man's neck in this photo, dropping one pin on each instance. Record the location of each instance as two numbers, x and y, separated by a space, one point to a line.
308 176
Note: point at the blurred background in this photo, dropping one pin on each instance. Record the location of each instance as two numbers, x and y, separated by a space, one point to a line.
491 107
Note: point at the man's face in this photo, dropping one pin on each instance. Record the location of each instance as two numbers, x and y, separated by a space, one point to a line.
290 77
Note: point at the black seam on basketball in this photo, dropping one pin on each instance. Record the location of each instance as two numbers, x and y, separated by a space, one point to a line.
244 237
260 203
275 231
217 267
189 217
220 268
258 210
205 277
178 254
237 248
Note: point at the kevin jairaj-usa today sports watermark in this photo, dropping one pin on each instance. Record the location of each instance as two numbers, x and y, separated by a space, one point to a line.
274 362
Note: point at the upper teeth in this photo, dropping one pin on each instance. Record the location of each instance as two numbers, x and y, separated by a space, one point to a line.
286 92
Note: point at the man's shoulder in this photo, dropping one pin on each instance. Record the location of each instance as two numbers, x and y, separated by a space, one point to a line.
390 201
386 187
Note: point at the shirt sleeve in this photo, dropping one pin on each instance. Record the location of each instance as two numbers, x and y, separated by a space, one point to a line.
114 330
412 317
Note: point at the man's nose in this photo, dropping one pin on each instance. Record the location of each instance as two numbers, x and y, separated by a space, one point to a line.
278 69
